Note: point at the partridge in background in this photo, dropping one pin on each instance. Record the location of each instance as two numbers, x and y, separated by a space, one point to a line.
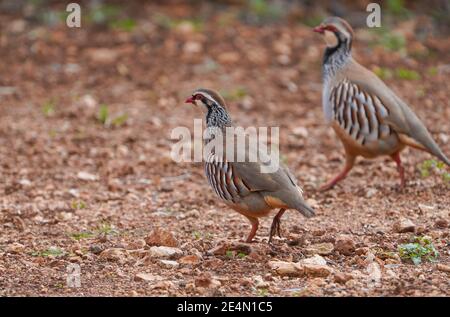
242 185
368 117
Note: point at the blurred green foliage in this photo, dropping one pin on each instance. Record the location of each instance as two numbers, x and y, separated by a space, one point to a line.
419 249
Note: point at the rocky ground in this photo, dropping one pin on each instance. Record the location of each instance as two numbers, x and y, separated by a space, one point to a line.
87 178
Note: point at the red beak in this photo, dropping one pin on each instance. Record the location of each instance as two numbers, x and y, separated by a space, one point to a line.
319 29
190 100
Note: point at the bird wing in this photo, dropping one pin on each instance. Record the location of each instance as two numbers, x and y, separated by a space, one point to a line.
400 117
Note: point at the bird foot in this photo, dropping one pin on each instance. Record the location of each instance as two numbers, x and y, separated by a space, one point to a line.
275 228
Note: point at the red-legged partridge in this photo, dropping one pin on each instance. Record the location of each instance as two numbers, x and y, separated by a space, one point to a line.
242 185
368 117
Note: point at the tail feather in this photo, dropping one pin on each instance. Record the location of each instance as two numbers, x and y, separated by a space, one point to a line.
305 210
430 147
418 136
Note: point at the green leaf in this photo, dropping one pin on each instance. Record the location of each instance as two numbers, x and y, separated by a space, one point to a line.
103 114
120 120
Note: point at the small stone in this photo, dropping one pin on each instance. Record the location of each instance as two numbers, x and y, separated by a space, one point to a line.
345 245
342 278
371 192
96 249
207 281
102 55
427 208
189 259
374 272
75 259
301 132
25 182
362 251
320 248
192 47
64 216
220 249
162 285
317 270
260 283
315 260
114 254
443 267
241 248
18 223
168 264
228 57
285 268
135 245
85 176
165 252
441 224
15 247
147 277
161 237
315 266
404 225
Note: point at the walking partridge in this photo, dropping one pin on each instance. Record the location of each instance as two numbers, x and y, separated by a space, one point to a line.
242 185
368 117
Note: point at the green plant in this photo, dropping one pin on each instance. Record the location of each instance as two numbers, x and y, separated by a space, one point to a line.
78 204
264 9
103 114
126 24
235 94
103 13
241 255
229 254
167 22
427 166
82 235
432 71
263 292
119 120
197 235
397 8
106 229
312 21
383 72
48 108
407 74
50 252
419 249
389 40
104 117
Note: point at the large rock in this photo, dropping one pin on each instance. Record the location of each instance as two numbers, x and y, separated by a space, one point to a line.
147 277
286 268
344 245
190 259
315 266
165 252
114 254
161 237
404 225
169 264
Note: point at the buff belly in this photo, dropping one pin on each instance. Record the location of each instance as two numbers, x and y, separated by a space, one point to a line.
254 205
371 148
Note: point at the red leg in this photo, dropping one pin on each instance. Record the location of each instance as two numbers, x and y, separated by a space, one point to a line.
255 224
349 162
275 227
400 168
